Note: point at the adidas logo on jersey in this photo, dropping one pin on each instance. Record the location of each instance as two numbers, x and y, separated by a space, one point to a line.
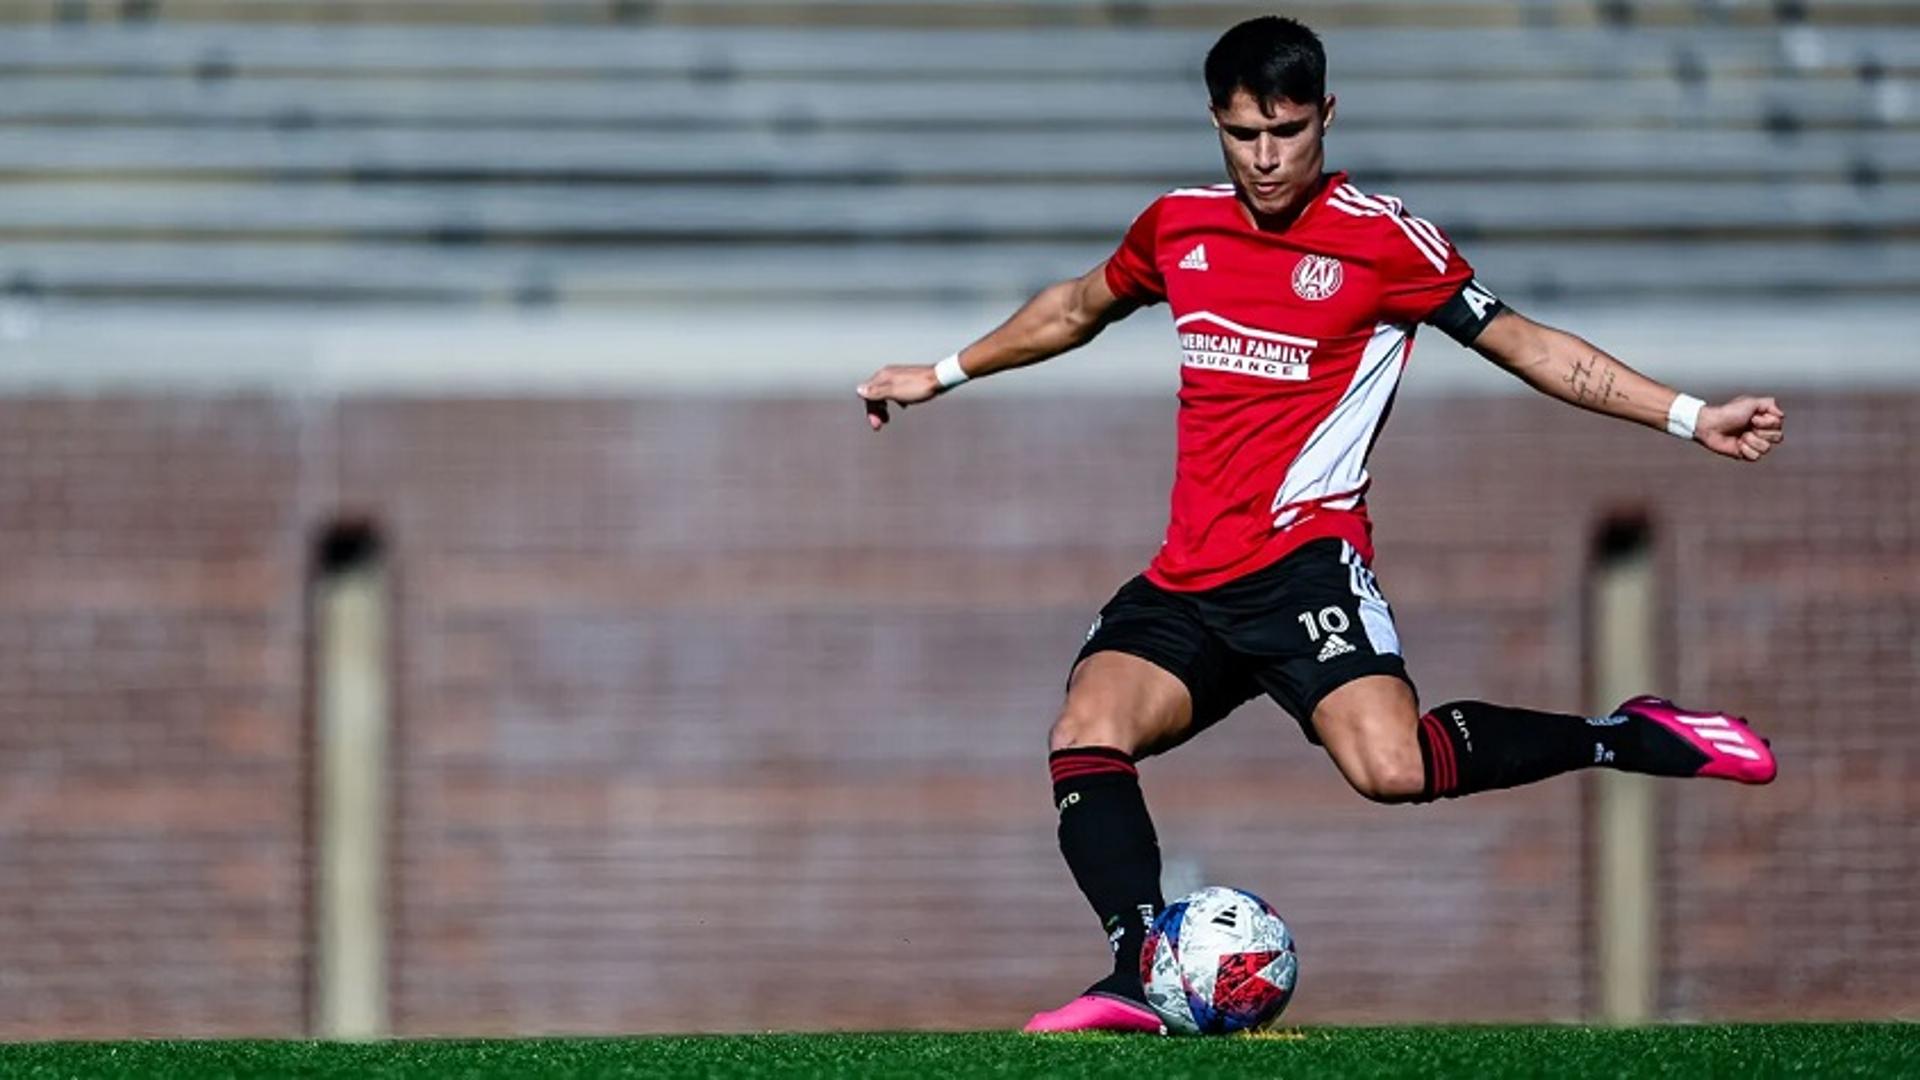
1335 646
1195 259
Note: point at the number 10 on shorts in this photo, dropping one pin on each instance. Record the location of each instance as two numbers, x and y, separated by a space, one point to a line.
1330 620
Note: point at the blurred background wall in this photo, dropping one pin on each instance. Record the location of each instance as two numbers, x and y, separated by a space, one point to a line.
710 709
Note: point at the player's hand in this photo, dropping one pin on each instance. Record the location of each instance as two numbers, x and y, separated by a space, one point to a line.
1744 428
900 384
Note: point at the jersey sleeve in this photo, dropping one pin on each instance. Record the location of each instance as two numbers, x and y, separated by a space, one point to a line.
1132 272
1423 269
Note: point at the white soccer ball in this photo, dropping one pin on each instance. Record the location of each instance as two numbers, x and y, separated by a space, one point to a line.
1218 961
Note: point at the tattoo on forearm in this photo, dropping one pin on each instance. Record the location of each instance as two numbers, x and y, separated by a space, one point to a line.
1592 381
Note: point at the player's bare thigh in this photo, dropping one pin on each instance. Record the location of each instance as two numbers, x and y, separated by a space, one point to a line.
1119 700
1370 727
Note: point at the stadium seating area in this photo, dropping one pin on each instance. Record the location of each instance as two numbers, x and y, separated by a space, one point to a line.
627 153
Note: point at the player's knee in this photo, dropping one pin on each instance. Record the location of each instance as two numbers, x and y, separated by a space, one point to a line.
1390 773
1078 726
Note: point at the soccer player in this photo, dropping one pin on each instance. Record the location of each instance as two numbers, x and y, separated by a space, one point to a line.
1295 295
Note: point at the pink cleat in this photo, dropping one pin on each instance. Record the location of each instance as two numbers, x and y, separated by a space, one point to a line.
1098 1012
1732 750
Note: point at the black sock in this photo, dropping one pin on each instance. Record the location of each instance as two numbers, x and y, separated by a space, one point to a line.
1471 746
1108 840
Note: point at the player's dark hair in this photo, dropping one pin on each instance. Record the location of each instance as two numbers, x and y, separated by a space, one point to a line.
1270 57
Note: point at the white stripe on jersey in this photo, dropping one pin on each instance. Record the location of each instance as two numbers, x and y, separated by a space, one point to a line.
1427 229
1386 204
1426 239
1331 468
1436 254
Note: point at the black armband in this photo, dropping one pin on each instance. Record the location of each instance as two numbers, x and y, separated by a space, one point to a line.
1471 309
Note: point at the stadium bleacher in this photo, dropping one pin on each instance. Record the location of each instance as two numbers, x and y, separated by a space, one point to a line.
233 152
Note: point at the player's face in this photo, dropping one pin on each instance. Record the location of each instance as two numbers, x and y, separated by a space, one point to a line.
1274 153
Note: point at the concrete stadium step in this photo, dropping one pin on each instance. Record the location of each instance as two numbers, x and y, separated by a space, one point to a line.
216 51
1162 157
590 214
872 273
802 105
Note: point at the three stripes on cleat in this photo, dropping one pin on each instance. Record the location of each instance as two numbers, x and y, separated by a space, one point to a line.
1720 731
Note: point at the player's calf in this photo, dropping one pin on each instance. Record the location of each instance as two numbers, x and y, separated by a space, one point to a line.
1390 752
1470 746
1108 840
1116 704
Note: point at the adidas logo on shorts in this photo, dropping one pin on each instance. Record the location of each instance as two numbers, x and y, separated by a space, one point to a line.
1335 646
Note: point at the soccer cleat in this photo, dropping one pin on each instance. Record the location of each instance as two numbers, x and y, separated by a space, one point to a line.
1098 1012
1732 750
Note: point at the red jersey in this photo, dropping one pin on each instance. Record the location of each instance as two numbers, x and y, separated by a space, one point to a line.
1293 345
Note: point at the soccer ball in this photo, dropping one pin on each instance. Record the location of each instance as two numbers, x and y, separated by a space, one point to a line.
1218 961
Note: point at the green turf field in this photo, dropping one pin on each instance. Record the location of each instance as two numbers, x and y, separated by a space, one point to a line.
1774 1050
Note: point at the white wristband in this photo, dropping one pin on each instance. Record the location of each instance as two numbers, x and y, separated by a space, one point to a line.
1684 414
950 373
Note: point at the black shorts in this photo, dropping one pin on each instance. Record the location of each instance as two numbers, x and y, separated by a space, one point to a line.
1297 631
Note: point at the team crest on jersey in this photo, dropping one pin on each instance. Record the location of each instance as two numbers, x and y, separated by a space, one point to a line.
1317 277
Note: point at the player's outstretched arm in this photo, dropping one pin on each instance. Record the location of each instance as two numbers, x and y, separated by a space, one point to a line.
1060 317
1562 365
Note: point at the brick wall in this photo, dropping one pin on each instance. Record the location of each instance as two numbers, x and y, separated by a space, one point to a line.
150 698
728 715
